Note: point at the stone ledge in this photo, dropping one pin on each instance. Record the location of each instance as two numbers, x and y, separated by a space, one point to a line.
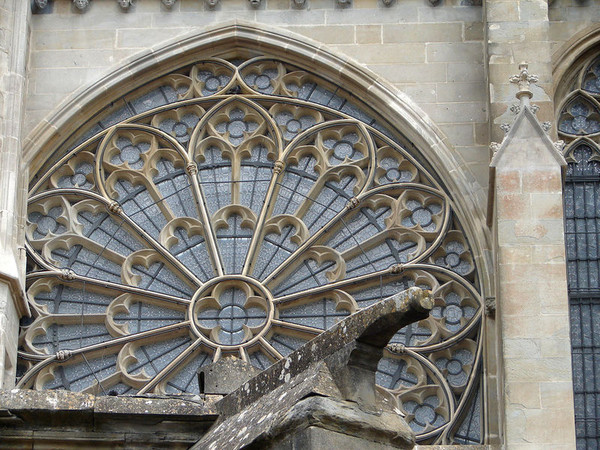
73 420
19 439
344 420
19 401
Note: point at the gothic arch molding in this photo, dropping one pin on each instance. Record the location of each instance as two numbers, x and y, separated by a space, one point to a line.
133 196
565 61
405 115
576 100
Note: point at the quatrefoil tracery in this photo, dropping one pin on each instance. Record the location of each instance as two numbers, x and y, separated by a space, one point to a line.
243 224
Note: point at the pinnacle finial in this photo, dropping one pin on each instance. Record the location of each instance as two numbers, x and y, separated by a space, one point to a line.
524 79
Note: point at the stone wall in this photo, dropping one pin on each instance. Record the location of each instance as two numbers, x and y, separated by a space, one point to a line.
517 31
435 55
13 51
569 17
432 54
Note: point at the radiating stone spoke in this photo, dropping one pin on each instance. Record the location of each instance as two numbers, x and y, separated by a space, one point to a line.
171 367
243 207
294 328
269 349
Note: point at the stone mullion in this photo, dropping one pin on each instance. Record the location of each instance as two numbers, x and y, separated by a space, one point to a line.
292 327
272 351
120 341
258 236
209 235
155 245
68 275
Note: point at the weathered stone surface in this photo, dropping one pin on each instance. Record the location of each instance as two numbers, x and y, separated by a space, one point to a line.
344 418
274 415
225 376
29 400
315 437
452 447
25 400
374 326
339 364
61 419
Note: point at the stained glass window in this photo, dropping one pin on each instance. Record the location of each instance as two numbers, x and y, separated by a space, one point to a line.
579 126
241 207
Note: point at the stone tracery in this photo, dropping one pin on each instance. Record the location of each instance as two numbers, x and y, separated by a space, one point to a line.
240 210
579 127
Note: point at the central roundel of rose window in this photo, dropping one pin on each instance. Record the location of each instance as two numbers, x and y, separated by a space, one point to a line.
231 311
241 209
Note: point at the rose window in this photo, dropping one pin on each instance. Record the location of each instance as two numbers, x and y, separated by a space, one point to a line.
240 210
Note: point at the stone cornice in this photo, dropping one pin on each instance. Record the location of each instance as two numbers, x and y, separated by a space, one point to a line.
79 420
82 6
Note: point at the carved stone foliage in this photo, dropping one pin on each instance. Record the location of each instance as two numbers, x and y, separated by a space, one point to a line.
242 208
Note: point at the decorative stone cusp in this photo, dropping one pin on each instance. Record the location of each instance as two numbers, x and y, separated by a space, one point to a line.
231 311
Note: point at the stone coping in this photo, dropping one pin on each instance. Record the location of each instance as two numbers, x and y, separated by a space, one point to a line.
25 402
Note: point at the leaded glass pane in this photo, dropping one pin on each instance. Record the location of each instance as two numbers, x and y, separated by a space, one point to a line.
582 225
238 208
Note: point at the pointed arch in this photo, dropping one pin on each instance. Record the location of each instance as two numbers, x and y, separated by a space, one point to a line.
579 114
341 201
416 127
582 142
565 60
576 68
